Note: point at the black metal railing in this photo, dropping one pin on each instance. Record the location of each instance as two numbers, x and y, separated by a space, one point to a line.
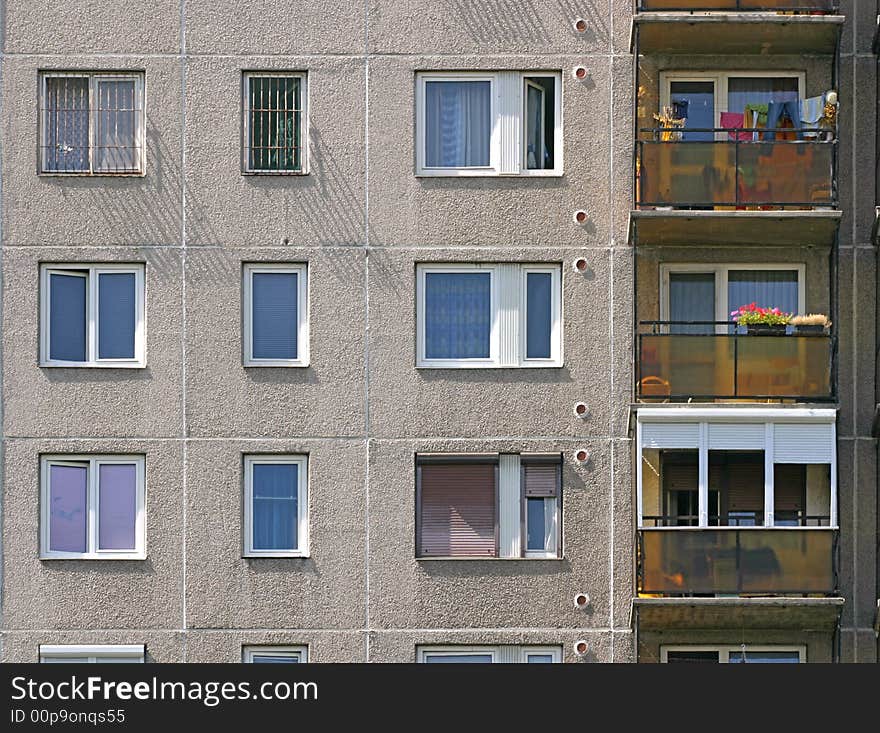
709 360
752 167
789 6
781 518
735 561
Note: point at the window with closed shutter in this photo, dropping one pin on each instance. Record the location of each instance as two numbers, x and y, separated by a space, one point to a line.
789 494
739 477
457 510
541 490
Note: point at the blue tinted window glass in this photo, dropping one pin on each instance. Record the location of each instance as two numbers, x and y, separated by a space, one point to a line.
458 658
539 314
274 315
67 317
539 659
692 298
458 315
275 506
117 314
274 659
458 123
536 523
764 657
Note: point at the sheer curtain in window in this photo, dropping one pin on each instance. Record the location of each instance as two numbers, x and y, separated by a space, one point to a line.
275 499
116 126
457 123
66 124
766 288
458 315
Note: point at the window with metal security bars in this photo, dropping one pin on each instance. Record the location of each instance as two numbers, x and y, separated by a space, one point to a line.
488 505
274 123
91 123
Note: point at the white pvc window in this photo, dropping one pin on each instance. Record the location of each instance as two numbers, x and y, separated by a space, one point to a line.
489 315
92 123
276 506
487 123
275 124
734 654
503 654
92 653
93 507
274 654
797 436
92 315
276 318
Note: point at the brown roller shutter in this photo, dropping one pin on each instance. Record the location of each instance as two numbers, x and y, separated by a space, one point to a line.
541 480
457 510
744 481
681 476
789 482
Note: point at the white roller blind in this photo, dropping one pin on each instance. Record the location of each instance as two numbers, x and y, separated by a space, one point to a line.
670 435
799 443
732 436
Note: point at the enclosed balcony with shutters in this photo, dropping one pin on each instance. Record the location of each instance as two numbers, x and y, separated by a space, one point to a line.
736 502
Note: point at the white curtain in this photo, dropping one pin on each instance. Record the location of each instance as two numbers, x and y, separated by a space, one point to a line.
458 123
116 126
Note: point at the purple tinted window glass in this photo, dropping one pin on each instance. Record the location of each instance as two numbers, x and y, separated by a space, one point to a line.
117 506
68 514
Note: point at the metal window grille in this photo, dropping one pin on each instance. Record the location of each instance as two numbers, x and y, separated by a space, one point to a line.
92 124
273 124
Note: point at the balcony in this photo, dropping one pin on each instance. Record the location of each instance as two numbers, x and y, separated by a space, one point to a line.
735 174
736 27
737 561
679 367
786 6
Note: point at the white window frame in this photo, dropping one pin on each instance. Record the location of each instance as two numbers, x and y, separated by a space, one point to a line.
763 416
93 464
96 653
721 272
507 140
248 652
246 118
500 653
542 554
724 650
302 534
94 78
720 80
302 312
507 337
91 272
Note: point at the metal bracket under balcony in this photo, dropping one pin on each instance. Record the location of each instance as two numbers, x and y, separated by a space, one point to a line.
734 33
684 361
683 228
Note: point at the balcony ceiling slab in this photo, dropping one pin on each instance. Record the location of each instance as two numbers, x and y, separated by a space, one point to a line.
652 228
734 33
805 614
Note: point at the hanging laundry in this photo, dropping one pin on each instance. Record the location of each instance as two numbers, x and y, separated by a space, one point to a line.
812 110
733 121
777 111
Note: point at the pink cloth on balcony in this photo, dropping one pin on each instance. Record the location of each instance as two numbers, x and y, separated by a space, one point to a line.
734 119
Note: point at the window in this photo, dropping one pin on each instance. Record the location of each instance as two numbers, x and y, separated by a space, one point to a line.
92 653
718 473
729 100
276 321
733 654
706 293
276 506
489 315
92 123
503 654
92 315
275 123
93 507
274 654
488 505
489 123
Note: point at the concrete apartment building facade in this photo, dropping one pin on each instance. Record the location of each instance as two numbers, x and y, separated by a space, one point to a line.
376 419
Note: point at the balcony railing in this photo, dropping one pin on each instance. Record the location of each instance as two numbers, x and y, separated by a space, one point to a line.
699 364
798 6
729 561
735 173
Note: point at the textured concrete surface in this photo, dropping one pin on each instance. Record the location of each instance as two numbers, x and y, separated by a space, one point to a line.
362 220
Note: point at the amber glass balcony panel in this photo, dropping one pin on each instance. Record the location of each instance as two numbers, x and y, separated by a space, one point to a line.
806 6
759 561
681 366
736 173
